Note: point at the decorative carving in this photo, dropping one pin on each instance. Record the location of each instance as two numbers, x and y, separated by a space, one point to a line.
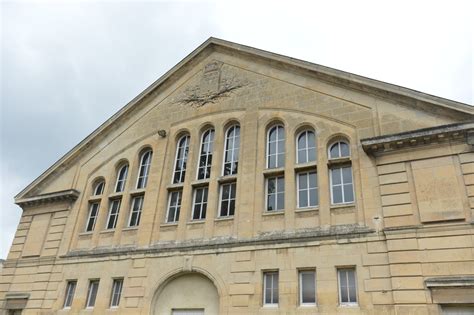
211 88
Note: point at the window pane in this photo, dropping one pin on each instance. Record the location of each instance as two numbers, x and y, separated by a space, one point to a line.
312 154
281 201
347 175
281 184
334 151
302 181
344 149
302 141
313 197
348 193
271 202
303 199
224 208
337 194
336 176
313 180
302 156
308 287
271 186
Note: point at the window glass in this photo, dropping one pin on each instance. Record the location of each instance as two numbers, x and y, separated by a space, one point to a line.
342 188
136 211
70 290
347 286
181 159
276 147
93 213
200 203
307 287
113 214
270 289
99 188
339 150
174 206
92 293
306 147
275 193
231 152
116 292
145 162
205 157
307 189
121 178
227 206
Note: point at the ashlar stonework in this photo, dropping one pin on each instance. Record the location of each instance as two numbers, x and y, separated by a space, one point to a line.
246 182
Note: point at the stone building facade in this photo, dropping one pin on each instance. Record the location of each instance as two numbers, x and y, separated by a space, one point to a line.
245 182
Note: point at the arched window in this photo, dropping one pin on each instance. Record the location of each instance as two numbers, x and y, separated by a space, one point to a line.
339 149
145 162
342 187
306 147
231 153
181 160
121 178
276 147
205 156
99 188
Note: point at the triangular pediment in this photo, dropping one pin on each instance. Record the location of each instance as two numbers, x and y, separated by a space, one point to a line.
203 80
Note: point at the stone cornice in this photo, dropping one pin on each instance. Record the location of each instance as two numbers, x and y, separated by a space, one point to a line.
419 137
57 196
448 282
264 239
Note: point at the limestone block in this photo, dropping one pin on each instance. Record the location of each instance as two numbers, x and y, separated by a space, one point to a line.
393 178
445 242
404 257
409 296
402 244
240 300
394 189
391 168
379 271
241 288
404 283
382 284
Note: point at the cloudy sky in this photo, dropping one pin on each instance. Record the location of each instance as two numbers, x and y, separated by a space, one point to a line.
66 68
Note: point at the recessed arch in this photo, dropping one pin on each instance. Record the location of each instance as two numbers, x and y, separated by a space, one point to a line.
187 289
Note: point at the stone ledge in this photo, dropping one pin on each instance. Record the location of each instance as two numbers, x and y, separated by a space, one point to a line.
268 238
462 281
63 195
418 137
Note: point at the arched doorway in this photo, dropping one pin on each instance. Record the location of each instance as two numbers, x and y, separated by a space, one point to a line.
187 294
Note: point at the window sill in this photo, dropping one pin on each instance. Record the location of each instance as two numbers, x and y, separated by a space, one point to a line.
349 305
275 212
309 209
306 306
227 179
270 306
176 186
107 231
93 199
84 234
116 195
306 166
338 161
130 228
200 182
136 192
343 205
197 221
273 171
221 219
170 224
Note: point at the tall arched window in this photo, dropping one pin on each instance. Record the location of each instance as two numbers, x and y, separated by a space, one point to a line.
121 178
181 159
205 156
342 187
231 153
276 147
99 188
306 147
145 162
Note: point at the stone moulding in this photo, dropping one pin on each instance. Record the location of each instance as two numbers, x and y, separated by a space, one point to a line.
63 195
419 137
270 238
444 282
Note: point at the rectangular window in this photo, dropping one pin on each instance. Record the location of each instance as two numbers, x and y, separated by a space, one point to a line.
307 185
174 206
307 287
93 212
92 293
116 292
275 193
113 214
136 211
70 290
200 203
342 190
227 204
347 286
270 288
